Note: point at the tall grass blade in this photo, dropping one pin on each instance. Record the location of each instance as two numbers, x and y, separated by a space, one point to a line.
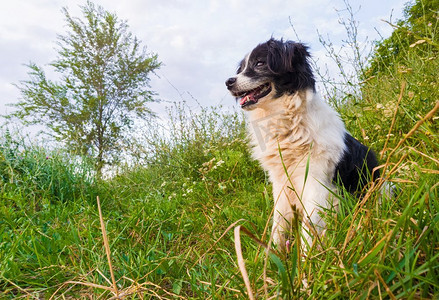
107 247
241 262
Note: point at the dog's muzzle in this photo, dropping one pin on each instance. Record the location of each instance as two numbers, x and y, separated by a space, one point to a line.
248 97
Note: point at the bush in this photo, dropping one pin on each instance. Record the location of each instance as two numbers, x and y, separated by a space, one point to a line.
37 173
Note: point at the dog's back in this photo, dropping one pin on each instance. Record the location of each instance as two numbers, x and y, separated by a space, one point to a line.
357 167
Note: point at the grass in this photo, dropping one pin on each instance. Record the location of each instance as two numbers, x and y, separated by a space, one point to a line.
169 219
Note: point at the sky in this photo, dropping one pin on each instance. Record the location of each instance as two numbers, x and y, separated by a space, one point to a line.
199 42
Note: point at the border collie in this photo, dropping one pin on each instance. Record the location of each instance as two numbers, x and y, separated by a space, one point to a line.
298 138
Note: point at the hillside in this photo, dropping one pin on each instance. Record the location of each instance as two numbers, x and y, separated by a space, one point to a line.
169 219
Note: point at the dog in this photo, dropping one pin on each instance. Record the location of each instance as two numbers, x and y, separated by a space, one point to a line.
297 137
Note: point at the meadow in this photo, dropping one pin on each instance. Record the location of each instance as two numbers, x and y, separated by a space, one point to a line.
164 226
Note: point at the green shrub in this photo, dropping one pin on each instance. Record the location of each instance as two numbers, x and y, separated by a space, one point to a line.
36 173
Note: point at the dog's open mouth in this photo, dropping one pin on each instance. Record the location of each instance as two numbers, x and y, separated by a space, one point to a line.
253 96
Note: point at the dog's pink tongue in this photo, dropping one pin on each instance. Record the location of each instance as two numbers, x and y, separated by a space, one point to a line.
246 98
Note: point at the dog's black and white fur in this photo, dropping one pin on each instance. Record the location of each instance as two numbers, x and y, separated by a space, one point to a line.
298 138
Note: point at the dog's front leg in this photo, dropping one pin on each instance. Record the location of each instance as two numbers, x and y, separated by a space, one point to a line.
315 199
282 216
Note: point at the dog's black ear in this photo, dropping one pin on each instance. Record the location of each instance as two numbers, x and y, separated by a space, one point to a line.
284 57
289 61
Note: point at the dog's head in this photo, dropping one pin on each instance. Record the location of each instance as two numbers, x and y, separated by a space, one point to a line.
271 70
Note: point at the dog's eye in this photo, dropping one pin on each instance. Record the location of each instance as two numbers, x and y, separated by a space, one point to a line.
260 64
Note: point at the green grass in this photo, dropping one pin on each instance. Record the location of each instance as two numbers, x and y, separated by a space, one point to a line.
167 227
170 217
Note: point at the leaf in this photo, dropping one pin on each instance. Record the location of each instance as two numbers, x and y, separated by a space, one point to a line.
369 256
282 272
176 286
417 43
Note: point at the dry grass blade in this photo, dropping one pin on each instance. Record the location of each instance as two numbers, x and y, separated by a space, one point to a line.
259 242
112 288
220 286
394 118
424 38
385 285
107 248
72 283
103 276
28 295
428 116
93 285
216 242
138 288
424 155
376 249
241 262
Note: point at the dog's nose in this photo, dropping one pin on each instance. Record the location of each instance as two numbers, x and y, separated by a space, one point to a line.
230 82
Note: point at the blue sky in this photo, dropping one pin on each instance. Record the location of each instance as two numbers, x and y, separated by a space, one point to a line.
199 42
